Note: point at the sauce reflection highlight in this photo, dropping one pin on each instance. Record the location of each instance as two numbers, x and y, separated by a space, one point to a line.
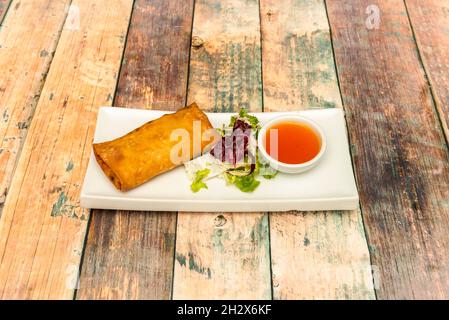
296 142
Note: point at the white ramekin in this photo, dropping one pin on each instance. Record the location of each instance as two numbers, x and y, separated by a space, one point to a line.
285 167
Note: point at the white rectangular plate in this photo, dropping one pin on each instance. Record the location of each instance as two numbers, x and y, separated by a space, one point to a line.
328 186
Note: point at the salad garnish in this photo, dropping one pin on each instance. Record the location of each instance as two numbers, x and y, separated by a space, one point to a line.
198 182
237 154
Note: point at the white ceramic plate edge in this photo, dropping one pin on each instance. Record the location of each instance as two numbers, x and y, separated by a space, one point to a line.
96 201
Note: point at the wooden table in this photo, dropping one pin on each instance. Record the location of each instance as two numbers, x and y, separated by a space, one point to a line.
386 62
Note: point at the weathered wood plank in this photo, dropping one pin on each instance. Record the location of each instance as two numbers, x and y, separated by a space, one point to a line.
42 227
26 52
430 22
399 152
315 255
298 64
155 69
225 64
129 255
320 255
4 5
224 255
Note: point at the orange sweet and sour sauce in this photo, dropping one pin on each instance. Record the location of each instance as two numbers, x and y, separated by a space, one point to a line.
297 142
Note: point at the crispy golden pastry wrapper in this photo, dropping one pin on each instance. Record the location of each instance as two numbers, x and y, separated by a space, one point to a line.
152 149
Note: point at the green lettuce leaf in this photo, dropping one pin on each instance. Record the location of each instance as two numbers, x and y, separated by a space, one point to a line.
245 184
240 176
198 182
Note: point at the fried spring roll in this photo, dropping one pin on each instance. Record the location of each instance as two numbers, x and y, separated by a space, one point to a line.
149 150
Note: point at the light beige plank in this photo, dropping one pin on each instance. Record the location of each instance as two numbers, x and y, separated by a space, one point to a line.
224 256
128 254
315 255
42 228
26 51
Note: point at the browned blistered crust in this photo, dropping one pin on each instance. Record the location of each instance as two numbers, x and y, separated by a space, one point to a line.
144 153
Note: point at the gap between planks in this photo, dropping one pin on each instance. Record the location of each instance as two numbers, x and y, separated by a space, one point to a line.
325 252
30 51
215 252
4 6
130 255
41 237
399 150
428 19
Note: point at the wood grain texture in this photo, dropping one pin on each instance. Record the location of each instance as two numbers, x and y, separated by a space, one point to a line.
224 256
155 67
320 255
42 227
4 5
129 255
225 71
298 64
25 57
430 22
315 255
399 151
